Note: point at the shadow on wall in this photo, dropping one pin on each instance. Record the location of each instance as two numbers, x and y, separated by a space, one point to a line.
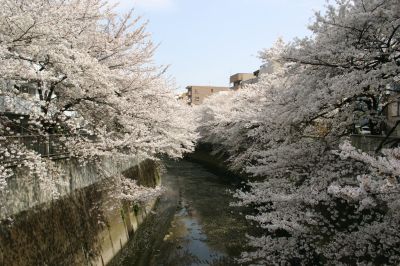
78 229
146 173
64 233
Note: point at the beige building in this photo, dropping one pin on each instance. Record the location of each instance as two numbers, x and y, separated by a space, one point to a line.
197 94
183 97
239 79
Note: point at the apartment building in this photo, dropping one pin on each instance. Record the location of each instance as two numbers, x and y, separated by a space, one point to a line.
197 94
240 79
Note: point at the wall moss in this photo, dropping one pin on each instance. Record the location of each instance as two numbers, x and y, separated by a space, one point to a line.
78 228
65 232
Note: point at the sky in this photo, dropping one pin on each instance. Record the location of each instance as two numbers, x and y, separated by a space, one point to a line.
206 41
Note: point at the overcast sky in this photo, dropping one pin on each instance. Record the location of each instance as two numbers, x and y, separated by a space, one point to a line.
206 41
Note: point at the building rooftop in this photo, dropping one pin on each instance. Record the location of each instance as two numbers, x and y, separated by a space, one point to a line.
241 77
206 87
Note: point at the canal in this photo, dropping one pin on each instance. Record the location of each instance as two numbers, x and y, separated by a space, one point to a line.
192 223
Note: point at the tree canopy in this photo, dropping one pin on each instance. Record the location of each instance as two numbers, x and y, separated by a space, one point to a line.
85 74
320 201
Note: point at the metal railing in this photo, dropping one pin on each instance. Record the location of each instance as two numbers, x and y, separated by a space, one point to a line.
49 146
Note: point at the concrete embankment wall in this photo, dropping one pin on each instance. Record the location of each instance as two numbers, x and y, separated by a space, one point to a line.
220 165
84 226
215 163
369 143
26 191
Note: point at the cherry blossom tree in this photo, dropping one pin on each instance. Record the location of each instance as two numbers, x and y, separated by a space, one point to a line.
82 72
320 201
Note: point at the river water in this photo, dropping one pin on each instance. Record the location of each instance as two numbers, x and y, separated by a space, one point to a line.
192 223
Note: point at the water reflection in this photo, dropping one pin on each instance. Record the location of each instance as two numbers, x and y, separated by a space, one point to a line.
186 241
193 223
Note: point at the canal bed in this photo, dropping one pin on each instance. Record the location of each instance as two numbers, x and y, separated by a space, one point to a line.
192 224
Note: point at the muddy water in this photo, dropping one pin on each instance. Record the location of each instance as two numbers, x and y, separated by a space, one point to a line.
192 223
